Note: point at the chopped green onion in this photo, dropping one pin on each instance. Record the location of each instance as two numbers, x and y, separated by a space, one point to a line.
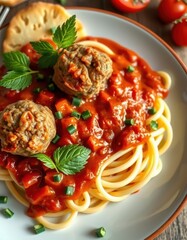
71 129
3 199
152 111
76 101
49 79
55 139
37 90
58 115
69 190
129 121
51 87
76 114
154 125
130 69
86 114
40 76
38 228
7 213
100 232
57 177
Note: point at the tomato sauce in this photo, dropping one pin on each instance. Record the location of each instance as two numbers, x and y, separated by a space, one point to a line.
129 95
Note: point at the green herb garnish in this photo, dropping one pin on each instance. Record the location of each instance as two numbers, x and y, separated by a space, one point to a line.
68 159
76 114
152 111
76 101
58 115
47 161
63 36
57 177
38 228
7 212
19 75
153 125
66 34
37 90
130 69
3 199
71 129
16 61
51 87
69 190
86 114
100 232
129 121
55 139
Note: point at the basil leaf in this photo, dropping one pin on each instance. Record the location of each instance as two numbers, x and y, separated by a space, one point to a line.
48 60
42 47
47 161
16 80
66 34
71 159
16 61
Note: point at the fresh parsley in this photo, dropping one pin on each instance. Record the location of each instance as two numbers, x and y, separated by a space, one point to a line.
19 75
63 36
69 159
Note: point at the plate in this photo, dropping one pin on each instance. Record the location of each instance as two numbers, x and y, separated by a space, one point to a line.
140 215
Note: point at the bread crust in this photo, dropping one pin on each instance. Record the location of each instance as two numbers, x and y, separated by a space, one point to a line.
34 23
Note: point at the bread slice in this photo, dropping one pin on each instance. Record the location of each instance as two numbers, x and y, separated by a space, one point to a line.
34 23
10 3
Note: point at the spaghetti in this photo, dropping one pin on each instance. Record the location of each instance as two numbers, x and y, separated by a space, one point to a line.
123 161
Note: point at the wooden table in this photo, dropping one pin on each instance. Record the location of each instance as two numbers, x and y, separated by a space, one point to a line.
178 229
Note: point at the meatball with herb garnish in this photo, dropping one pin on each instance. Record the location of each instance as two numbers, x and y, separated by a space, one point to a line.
82 71
26 128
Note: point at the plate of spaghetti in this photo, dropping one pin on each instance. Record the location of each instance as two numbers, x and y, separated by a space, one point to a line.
92 126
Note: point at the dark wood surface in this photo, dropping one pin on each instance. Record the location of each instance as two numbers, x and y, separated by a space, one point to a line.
177 230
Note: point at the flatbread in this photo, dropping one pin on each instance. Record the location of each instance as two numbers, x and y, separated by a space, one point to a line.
34 23
10 3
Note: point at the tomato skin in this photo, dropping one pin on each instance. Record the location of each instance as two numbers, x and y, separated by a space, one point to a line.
31 178
45 97
31 53
130 6
179 32
170 10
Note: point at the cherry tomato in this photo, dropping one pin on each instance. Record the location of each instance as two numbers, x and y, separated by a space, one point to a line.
170 10
130 6
179 32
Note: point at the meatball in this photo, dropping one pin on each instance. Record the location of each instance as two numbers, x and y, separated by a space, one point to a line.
26 128
82 71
